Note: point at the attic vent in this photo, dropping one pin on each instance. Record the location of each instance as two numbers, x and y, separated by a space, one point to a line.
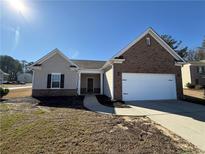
37 65
148 41
120 57
72 66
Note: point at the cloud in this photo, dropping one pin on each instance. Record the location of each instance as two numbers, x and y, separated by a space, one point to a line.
15 33
75 54
16 37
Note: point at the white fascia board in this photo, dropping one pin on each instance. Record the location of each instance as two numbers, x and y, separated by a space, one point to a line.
108 63
165 45
118 61
180 63
157 38
35 67
130 44
112 61
90 71
198 64
51 54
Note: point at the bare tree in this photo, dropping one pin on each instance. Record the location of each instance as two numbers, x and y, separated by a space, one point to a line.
191 55
200 52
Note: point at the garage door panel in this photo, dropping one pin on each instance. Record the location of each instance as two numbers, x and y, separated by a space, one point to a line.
144 86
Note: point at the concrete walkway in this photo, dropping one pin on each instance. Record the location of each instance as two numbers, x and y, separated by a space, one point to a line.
91 103
184 119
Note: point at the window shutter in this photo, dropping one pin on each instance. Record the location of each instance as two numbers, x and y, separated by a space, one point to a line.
203 69
49 81
197 69
62 81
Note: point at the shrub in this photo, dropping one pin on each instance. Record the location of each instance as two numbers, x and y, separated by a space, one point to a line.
189 85
198 87
3 92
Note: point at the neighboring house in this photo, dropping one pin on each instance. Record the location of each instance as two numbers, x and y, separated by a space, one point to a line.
194 73
24 77
3 76
147 69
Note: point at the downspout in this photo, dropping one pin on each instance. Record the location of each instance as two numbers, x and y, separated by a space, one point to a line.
113 82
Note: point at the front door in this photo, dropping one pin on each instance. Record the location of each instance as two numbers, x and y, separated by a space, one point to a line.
90 85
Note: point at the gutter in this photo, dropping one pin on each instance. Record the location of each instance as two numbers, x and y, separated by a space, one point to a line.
113 61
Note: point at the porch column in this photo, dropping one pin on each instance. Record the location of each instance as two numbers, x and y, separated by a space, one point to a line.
101 83
79 79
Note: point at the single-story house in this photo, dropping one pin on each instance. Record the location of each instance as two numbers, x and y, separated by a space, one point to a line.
146 69
194 73
3 76
24 77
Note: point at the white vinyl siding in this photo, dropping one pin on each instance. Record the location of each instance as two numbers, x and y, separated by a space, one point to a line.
108 83
186 75
55 64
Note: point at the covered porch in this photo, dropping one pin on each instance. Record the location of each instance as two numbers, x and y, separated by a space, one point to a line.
90 82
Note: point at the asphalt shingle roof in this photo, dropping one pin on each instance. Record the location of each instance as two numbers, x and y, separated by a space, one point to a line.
89 64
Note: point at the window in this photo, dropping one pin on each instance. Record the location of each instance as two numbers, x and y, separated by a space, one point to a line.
55 80
200 69
196 81
148 41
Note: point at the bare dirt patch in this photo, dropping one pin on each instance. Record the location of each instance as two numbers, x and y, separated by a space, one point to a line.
26 127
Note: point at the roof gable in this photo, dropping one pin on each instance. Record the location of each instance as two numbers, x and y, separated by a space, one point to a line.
157 38
51 54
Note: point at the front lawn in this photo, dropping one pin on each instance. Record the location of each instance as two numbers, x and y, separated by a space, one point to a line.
30 125
15 85
14 93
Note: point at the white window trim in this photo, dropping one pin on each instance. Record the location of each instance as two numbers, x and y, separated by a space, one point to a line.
148 41
200 69
59 81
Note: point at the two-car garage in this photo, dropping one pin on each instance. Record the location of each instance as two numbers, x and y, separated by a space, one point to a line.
147 86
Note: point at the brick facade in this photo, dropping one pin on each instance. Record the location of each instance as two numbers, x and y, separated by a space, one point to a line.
141 58
53 92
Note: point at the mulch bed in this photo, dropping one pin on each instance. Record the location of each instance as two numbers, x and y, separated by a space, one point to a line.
61 101
104 100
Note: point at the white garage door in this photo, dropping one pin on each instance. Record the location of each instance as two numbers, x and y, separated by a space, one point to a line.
145 86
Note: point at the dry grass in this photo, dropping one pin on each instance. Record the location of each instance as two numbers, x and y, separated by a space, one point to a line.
27 127
15 85
19 93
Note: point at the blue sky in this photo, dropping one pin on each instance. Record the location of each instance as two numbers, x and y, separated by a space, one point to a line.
95 29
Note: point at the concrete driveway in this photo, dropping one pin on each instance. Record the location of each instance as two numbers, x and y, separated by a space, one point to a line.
185 119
